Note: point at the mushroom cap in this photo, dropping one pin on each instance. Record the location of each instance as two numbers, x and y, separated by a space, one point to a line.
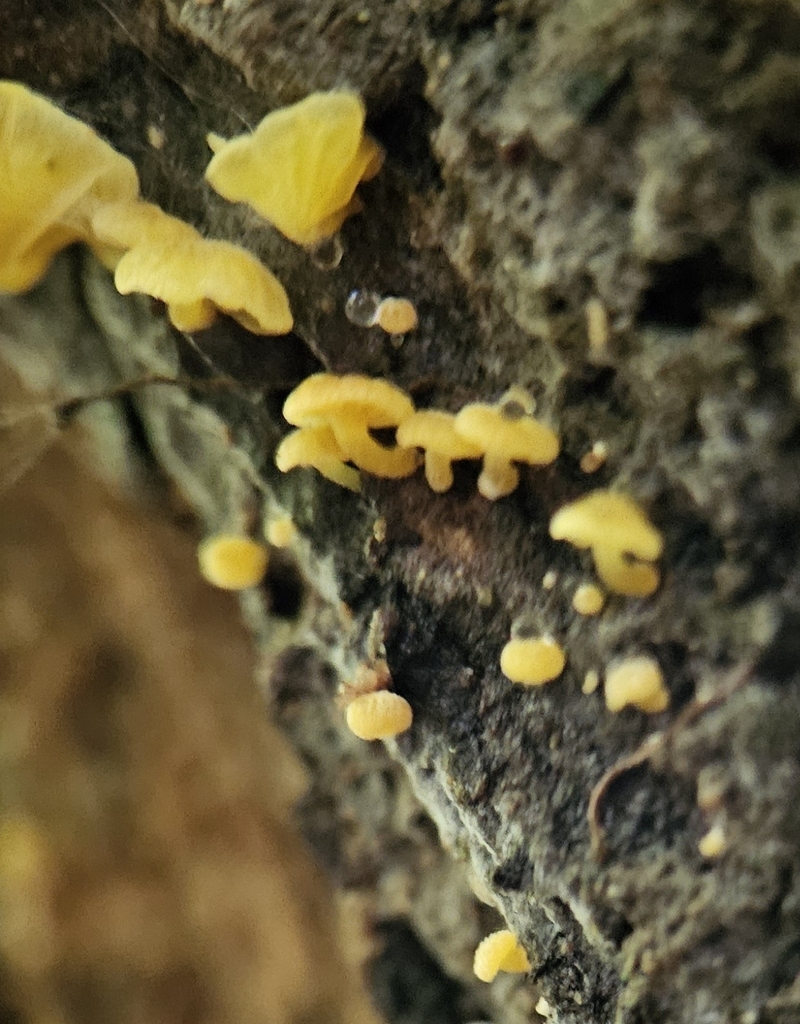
532 661
300 167
316 447
326 396
396 316
170 260
608 519
232 562
379 715
53 171
638 681
522 439
435 431
500 951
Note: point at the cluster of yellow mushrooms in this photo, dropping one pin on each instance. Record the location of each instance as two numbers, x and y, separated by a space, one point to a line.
63 184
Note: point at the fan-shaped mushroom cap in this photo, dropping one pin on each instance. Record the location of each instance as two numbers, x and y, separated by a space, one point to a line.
638 681
352 405
532 661
608 519
54 171
316 447
500 951
299 169
196 277
435 431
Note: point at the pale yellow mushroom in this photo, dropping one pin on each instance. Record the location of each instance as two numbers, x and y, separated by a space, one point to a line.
232 562
636 681
396 316
500 951
316 448
588 599
351 405
435 432
506 433
300 167
378 715
280 532
532 661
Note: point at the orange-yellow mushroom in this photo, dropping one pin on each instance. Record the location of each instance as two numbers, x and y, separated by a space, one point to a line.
300 167
232 562
506 433
636 681
396 316
378 715
500 951
532 661
316 448
435 432
352 405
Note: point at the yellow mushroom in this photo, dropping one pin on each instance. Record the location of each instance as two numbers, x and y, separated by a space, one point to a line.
636 681
506 433
352 405
54 172
378 715
500 951
316 447
619 534
396 316
714 843
299 169
280 532
532 660
196 277
232 562
588 599
435 432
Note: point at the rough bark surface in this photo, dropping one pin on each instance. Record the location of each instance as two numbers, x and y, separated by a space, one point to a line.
541 155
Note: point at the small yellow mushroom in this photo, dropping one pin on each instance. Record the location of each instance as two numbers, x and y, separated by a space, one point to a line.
280 532
588 599
506 433
638 681
196 277
55 171
316 447
500 951
590 681
596 457
396 316
378 715
352 405
532 661
232 562
618 533
714 843
435 432
299 169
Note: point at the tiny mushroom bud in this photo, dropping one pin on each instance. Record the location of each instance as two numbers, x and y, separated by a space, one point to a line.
588 599
617 531
352 405
316 447
435 432
500 951
714 843
532 661
378 715
232 562
280 532
396 316
300 167
506 433
637 681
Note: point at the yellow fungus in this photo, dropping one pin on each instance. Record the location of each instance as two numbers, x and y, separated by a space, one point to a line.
590 681
155 137
500 951
506 433
617 531
281 532
588 599
396 316
299 169
232 562
316 447
54 172
637 681
550 579
378 715
196 277
532 661
435 432
352 405
714 843
596 457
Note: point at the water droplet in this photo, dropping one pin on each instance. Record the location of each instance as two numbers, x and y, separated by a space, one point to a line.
361 308
327 254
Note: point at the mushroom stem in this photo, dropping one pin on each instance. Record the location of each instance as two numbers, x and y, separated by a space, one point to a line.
438 471
623 575
358 447
498 477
